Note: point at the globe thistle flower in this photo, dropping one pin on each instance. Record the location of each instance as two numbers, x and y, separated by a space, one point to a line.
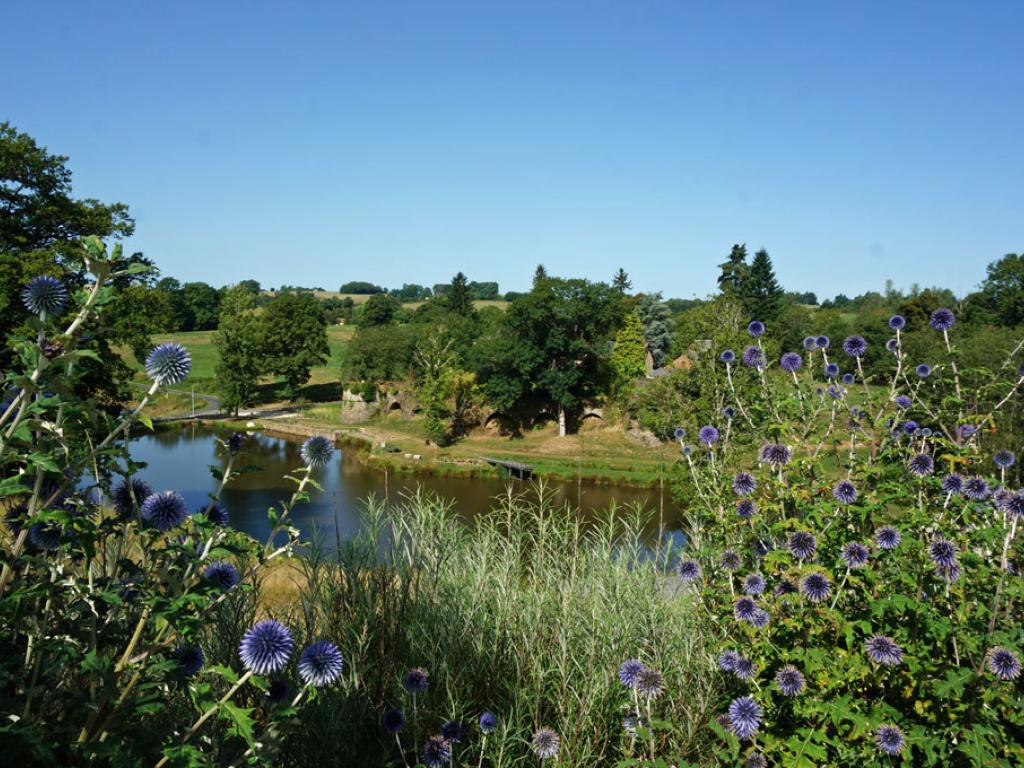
910 427
1004 459
926 432
921 465
316 451
755 760
902 402
650 683
393 720
883 650
216 514
976 489
320 664
784 587
235 443
45 294
802 544
266 647
546 743
953 483
729 560
897 322
727 660
435 752
790 681
810 343
744 484
832 370
277 692
416 680
816 587
744 717
760 619
688 570
855 346
775 454
168 364
631 722
164 510
923 370
942 319
729 413
744 609
708 435
452 731
756 328
890 739
845 492
1003 663
791 362
744 668
221 573
123 494
836 392
854 554
679 433
727 356
753 584
887 537
746 509
1015 505
942 553
848 378
753 357
488 723
190 658
966 430
892 345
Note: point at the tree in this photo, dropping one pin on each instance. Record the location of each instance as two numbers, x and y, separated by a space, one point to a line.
377 354
379 309
657 327
250 286
138 312
621 281
539 275
762 295
459 297
1003 289
202 304
293 336
487 291
360 287
239 350
734 272
629 354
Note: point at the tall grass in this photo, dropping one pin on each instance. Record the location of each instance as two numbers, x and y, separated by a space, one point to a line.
526 612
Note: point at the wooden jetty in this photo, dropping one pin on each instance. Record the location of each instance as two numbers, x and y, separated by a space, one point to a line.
517 469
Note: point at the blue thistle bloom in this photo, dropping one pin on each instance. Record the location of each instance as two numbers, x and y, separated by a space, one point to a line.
416 680
316 451
45 294
760 619
784 587
435 752
729 412
832 370
1003 663
976 489
921 465
953 483
755 760
688 570
902 402
802 544
855 346
266 647
816 587
744 668
753 357
729 560
942 319
168 364
488 722
910 427
123 493
1015 505
756 328
892 345
836 392
221 573
744 717
942 553
727 660
728 356
923 370
966 430
887 537
277 692
320 664
897 322
744 484
216 514
746 509
822 342
190 658
926 432
453 731
650 683
708 435
546 743
810 343
235 443
790 681
679 433
45 535
763 546
883 650
845 492
854 554
753 584
744 609
164 510
1004 459
890 739
775 454
848 378
629 670
393 720
791 362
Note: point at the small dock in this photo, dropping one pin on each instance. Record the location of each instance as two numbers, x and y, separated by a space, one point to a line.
517 469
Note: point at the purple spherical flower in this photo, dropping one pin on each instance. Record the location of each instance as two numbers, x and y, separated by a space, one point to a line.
435 752
921 465
755 760
129 495
854 554
488 722
802 544
822 342
775 454
897 322
164 511
902 402
1015 505
744 484
320 664
317 451
890 739
976 489
789 680
1003 663
883 650
650 683
892 345
1004 459
845 492
855 346
744 717
727 356
729 412
266 647
923 370
756 328
848 378
942 553
942 319
910 427
393 720
168 364
832 370
753 584
760 619
688 570
44 294
816 587
753 357
744 668
744 609
708 435
216 514
678 433
810 343
953 483
729 560
416 680
836 392
746 509
727 660
791 362
628 672
887 537
45 535
546 743
221 573
190 658
453 731
785 587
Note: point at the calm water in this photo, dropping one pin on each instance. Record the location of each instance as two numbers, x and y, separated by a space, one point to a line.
180 459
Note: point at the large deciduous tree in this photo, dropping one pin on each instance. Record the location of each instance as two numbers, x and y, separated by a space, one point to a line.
1002 291
293 336
239 350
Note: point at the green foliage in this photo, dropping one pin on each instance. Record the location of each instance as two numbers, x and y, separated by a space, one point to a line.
734 272
360 287
459 298
762 295
202 306
239 351
1002 291
628 358
657 325
293 337
379 309
621 281
378 354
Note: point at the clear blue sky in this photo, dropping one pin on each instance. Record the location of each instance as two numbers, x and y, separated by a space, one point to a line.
403 141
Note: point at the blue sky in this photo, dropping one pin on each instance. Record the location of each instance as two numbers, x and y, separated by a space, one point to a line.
396 142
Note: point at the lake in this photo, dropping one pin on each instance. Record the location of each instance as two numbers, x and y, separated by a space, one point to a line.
179 460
